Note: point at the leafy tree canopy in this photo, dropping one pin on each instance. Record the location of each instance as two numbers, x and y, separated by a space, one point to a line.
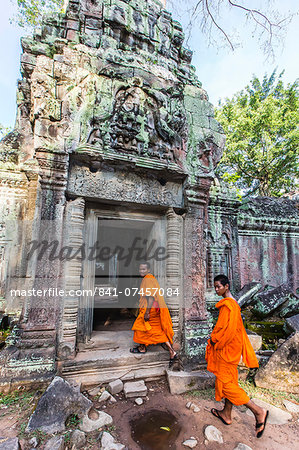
4 131
261 125
30 12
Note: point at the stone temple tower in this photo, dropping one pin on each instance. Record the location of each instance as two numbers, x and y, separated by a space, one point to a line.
113 125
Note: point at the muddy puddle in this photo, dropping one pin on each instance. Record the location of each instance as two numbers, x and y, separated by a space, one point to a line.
155 430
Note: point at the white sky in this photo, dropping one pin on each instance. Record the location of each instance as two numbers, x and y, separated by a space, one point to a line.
221 72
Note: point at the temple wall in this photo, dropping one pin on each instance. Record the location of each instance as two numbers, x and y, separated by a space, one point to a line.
253 240
268 242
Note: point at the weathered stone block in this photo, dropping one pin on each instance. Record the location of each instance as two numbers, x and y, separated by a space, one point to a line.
58 402
180 382
255 339
246 294
281 371
266 303
293 322
115 387
55 443
89 425
77 439
276 415
9 444
135 389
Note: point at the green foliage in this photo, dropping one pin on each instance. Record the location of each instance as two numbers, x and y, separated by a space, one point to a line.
261 125
22 399
72 421
4 131
30 12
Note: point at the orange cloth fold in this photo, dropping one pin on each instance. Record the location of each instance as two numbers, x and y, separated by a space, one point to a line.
158 328
231 342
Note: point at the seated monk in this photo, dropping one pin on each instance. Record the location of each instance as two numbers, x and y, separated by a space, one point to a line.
153 324
227 343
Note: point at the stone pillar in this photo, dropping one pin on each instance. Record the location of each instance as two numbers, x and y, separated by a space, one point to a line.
197 327
74 226
174 269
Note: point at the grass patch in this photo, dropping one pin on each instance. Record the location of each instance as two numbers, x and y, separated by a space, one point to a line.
72 421
205 394
268 395
22 399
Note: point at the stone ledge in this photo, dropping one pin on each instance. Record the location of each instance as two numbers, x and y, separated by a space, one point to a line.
180 382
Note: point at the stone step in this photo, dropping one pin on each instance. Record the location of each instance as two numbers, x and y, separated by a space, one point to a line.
103 366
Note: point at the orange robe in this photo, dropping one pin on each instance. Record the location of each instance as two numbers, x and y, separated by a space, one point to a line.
158 328
231 342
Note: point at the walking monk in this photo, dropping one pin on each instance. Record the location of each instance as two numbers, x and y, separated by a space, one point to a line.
153 324
227 343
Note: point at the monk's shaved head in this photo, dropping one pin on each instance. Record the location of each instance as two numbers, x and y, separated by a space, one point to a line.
222 279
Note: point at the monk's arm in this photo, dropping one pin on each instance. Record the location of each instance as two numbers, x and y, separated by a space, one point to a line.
150 301
225 328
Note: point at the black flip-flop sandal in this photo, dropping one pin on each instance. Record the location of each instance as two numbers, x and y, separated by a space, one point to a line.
136 350
259 425
215 413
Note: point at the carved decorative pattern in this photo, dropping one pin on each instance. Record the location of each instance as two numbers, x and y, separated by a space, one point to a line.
74 226
174 269
140 124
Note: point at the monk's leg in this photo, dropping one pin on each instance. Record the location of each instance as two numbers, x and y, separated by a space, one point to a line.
172 353
260 413
226 412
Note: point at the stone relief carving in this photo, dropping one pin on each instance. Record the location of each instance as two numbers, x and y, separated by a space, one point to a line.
142 124
128 187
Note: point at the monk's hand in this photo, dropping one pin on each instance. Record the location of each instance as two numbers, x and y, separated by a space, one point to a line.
213 343
146 316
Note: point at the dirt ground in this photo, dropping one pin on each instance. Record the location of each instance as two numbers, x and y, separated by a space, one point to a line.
14 417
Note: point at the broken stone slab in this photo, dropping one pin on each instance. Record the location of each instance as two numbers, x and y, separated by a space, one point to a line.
255 339
89 425
55 443
77 439
109 443
293 322
9 444
281 370
33 442
94 391
180 382
104 396
276 415
270 301
58 402
135 389
138 401
115 387
112 399
190 443
212 434
241 446
246 294
291 406
291 307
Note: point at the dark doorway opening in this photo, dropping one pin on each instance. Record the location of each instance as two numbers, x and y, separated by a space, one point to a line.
122 245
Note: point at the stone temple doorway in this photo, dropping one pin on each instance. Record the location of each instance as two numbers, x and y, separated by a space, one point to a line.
121 241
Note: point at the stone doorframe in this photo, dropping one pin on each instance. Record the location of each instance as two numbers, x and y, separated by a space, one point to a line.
72 330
